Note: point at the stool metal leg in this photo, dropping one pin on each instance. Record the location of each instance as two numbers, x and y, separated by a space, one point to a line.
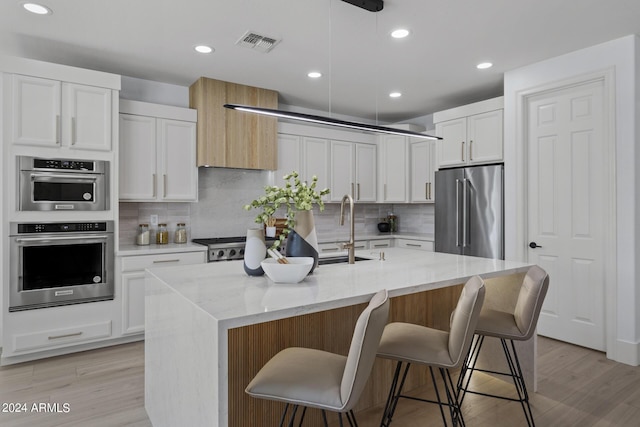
394 394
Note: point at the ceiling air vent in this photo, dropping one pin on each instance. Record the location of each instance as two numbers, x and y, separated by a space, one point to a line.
257 42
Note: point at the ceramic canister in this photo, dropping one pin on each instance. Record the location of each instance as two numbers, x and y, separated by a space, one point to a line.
255 251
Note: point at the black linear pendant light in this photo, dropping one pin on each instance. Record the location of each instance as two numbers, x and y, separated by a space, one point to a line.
372 6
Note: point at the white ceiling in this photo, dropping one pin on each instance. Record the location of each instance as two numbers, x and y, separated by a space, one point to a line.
434 67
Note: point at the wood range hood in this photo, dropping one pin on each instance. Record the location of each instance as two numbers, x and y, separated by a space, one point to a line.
234 139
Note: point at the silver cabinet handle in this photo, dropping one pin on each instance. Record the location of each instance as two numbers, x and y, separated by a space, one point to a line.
160 261
164 185
73 131
358 186
57 337
413 245
47 176
330 249
155 186
426 190
380 245
86 237
58 133
462 151
471 150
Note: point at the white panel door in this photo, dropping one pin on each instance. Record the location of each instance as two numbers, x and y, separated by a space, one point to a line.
566 184
178 170
452 146
86 122
394 174
342 170
315 158
484 132
366 172
138 180
289 157
35 109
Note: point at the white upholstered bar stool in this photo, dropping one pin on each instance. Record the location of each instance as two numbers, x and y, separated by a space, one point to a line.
415 344
518 325
319 379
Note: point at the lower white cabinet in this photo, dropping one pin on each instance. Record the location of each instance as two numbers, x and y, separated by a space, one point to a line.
423 245
131 270
52 338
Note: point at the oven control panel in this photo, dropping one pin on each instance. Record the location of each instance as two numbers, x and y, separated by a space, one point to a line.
60 164
64 227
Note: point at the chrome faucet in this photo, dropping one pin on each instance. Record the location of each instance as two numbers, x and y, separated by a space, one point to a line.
351 245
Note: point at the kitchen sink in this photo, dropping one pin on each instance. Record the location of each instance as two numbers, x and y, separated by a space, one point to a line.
339 259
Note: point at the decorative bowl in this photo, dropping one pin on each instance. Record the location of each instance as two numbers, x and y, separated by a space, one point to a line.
294 272
383 227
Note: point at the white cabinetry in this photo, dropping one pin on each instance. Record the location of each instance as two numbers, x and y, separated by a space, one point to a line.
315 161
393 169
289 157
353 171
472 134
131 270
422 154
52 113
157 153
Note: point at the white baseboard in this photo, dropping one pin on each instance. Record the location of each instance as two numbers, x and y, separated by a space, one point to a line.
626 352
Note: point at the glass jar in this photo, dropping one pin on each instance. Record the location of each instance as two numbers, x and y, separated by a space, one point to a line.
181 234
142 238
162 236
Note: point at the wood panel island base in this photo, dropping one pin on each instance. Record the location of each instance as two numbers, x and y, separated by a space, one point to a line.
210 327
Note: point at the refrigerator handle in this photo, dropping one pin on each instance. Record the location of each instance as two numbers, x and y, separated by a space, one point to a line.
464 212
457 213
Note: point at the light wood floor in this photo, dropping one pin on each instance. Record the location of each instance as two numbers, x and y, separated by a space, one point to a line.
577 387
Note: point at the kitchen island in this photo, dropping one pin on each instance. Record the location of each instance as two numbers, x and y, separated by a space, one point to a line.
210 327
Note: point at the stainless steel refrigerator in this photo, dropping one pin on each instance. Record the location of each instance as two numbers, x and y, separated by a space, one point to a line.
469 211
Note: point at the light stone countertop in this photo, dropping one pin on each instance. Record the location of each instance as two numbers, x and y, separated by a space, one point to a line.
233 299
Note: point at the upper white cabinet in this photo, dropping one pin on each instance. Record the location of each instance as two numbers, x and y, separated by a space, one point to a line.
472 134
289 156
353 171
315 161
394 173
422 155
157 153
52 113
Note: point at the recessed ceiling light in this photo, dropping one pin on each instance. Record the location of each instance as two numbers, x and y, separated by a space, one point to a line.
484 65
314 74
203 49
38 9
395 95
400 33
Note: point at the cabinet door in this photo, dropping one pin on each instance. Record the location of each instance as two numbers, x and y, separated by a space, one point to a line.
86 119
138 178
133 302
342 170
35 111
422 154
178 177
315 157
452 148
366 172
485 137
393 160
289 157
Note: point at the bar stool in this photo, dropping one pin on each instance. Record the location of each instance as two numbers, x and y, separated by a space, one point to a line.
518 325
319 379
408 343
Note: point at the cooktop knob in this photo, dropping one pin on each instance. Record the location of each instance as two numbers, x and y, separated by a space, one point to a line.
232 252
220 254
241 251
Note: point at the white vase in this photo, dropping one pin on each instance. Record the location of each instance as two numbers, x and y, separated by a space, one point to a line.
255 250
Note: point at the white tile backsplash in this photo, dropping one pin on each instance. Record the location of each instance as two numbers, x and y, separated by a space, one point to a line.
222 193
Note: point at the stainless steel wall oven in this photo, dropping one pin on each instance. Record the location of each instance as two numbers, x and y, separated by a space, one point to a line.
60 263
60 184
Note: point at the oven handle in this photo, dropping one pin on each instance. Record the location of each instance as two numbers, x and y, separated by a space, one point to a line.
70 176
56 238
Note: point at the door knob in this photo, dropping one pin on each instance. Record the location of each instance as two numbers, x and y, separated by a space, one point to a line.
534 245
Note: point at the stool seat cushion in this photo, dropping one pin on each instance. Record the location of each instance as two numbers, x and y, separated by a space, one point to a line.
301 376
500 324
415 344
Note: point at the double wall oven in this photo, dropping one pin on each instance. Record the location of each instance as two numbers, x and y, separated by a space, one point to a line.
60 263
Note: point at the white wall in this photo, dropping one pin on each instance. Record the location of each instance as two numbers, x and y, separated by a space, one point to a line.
621 54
